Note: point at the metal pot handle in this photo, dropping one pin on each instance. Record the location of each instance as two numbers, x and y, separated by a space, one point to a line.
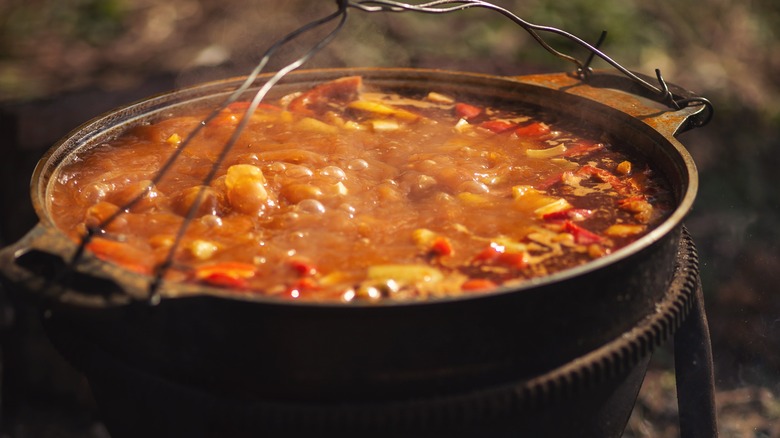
39 265
671 95
620 92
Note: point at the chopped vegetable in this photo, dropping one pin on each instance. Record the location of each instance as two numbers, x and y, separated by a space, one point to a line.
466 111
624 230
439 98
624 168
534 129
581 149
546 153
639 205
385 125
442 246
174 139
432 243
314 100
605 176
340 193
123 253
575 214
382 109
302 286
246 188
314 125
203 249
496 255
405 274
581 235
478 284
497 126
229 274
553 207
538 200
303 267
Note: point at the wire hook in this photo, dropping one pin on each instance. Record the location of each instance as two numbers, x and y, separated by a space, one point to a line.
586 70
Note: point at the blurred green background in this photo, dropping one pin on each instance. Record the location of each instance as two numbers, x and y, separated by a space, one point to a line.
725 50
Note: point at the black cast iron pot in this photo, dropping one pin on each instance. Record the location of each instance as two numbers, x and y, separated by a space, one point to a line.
251 348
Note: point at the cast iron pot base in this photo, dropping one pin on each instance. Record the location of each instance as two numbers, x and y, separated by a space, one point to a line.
592 395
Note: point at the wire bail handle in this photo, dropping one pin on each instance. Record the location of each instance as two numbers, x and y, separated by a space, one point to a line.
659 92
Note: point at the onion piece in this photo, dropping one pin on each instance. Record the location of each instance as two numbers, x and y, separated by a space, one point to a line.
553 207
546 153
382 109
405 274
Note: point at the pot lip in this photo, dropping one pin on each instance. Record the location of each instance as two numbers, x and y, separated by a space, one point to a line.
84 133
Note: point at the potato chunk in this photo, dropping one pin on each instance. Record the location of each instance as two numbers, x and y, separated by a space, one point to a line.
246 190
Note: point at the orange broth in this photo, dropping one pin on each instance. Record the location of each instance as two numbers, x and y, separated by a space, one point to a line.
339 193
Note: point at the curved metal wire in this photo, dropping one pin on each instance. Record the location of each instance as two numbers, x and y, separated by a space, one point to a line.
661 91
583 70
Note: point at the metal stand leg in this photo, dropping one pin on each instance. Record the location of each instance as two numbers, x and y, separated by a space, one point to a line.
695 376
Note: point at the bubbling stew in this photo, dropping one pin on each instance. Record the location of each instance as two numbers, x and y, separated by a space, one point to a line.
345 193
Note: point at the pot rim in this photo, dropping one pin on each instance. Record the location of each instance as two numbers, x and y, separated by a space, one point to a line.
98 126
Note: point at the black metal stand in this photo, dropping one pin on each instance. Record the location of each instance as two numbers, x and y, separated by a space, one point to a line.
695 375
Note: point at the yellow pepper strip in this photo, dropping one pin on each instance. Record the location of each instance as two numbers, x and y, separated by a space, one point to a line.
382 109
624 230
405 274
314 125
546 153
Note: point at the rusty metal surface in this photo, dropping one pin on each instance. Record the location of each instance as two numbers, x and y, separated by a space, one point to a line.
668 122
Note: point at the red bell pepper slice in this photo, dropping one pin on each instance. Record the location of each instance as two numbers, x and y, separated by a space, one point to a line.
478 284
535 129
549 182
225 118
441 246
302 286
497 126
340 90
495 255
581 235
576 214
605 176
226 280
466 111
226 274
302 267
512 260
122 253
581 149
489 254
